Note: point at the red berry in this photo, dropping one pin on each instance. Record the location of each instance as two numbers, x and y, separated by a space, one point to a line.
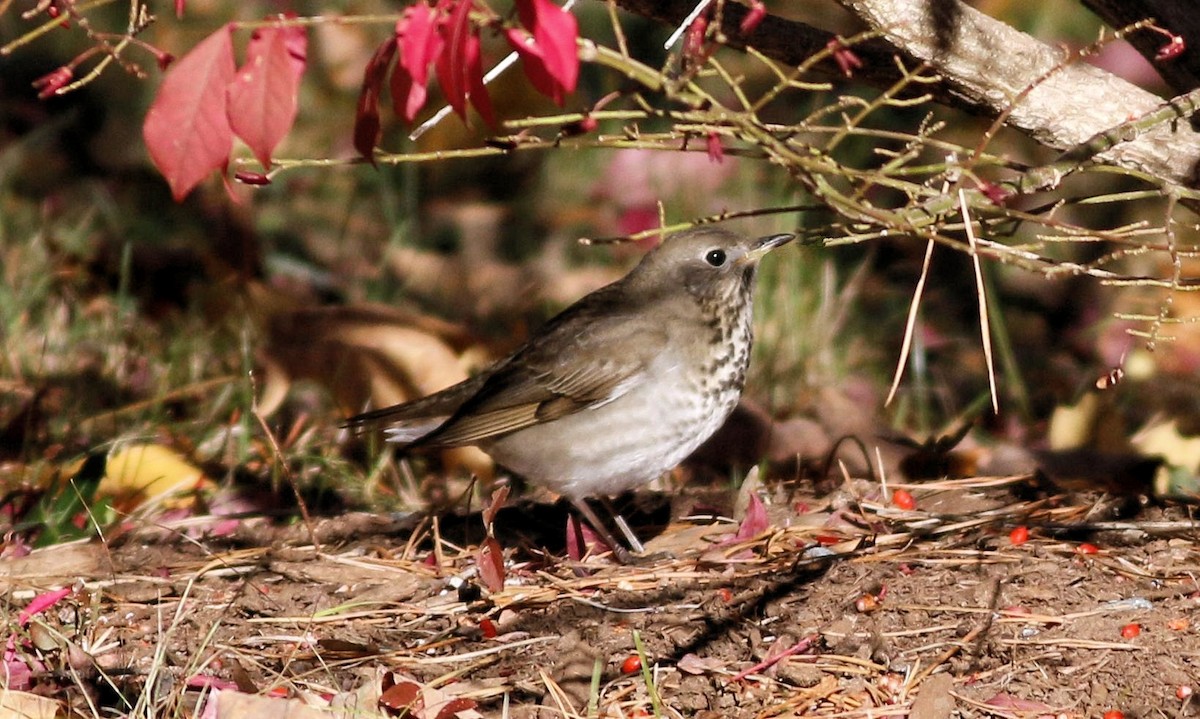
1087 548
631 665
1019 535
1114 714
488 627
1131 630
904 500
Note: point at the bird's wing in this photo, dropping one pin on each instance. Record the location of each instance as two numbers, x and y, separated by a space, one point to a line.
583 361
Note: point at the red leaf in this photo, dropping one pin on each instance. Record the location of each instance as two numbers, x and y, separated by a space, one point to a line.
553 50
477 91
420 46
452 708
404 696
450 63
693 40
263 97
716 151
755 521
187 128
491 564
582 540
366 112
460 66
41 603
534 64
499 497
753 17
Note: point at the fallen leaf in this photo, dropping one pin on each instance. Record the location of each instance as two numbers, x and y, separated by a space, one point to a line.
139 473
225 704
755 522
1164 439
365 355
23 705
490 560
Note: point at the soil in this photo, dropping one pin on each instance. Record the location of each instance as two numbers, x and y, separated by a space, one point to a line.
844 606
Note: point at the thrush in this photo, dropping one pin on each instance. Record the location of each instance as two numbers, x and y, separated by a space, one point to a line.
618 388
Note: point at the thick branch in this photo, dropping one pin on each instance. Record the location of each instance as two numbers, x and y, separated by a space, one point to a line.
994 65
986 66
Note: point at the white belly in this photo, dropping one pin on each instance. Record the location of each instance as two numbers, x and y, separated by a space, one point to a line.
619 445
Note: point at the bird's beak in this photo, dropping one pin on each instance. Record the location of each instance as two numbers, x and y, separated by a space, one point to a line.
763 246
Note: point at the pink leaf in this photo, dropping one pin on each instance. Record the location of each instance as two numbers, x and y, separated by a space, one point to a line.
755 521
555 32
208 681
187 128
366 113
16 675
582 540
420 46
753 17
491 564
41 603
263 97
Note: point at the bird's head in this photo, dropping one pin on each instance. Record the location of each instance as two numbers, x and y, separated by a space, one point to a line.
710 262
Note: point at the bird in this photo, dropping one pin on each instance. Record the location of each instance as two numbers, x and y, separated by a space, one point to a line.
618 388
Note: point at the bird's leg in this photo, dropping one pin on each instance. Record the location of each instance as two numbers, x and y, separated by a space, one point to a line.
621 554
634 543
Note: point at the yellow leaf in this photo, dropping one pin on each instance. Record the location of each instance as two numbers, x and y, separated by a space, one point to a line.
139 473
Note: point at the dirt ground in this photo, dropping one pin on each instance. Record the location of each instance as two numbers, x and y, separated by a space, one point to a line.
845 606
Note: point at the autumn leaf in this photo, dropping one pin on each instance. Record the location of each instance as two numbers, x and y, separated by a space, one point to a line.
755 522
450 63
460 66
366 112
420 47
548 51
187 129
263 97
491 564
478 94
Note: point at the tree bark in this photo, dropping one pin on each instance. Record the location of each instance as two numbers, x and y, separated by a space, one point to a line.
987 68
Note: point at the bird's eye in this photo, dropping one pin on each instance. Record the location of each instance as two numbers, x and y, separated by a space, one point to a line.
716 258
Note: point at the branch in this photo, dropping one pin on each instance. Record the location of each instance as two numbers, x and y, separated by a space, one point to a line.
1180 18
985 65
1060 105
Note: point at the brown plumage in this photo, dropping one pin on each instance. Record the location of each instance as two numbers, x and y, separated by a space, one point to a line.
619 387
